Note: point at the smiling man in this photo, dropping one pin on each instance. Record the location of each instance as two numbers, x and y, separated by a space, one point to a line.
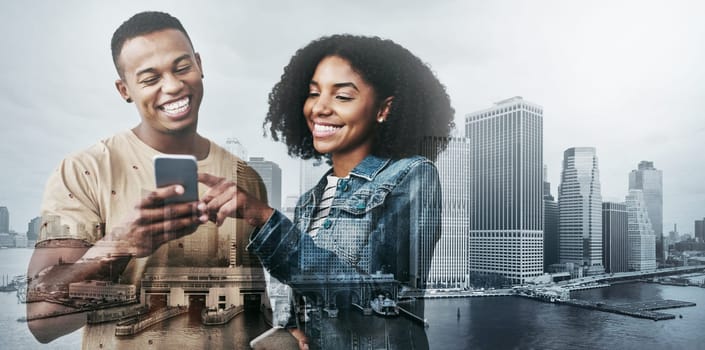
103 217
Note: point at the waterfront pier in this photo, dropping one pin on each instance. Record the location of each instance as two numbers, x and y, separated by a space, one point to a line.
641 309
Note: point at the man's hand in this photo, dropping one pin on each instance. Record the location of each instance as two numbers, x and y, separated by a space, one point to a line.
226 199
153 223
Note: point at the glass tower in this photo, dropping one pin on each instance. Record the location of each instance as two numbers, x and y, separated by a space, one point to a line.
642 241
580 210
449 263
506 190
615 238
650 181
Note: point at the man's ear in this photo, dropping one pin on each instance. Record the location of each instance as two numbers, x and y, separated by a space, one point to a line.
122 90
384 109
198 62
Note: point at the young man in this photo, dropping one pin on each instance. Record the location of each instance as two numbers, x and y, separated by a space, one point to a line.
104 219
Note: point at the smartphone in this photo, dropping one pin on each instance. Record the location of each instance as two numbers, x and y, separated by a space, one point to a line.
177 169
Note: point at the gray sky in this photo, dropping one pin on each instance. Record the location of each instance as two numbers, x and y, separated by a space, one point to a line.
624 77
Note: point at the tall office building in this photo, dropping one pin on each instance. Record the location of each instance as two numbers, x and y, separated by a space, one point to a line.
673 236
650 181
615 237
642 241
506 190
33 227
449 263
699 230
550 225
4 220
580 210
271 175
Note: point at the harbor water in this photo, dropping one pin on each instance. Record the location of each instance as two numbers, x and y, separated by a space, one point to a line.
457 323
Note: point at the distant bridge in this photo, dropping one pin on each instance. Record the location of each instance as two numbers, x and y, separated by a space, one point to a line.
632 275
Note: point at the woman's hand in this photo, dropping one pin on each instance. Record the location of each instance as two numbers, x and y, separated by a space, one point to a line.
225 198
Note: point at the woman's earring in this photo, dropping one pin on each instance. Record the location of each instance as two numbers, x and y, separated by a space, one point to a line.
128 100
380 120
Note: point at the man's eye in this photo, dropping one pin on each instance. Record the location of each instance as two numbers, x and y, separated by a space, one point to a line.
343 97
314 94
183 69
150 80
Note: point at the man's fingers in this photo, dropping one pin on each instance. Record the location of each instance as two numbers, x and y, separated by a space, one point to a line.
209 180
150 215
157 197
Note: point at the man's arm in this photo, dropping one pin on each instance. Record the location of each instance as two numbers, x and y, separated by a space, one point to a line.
56 263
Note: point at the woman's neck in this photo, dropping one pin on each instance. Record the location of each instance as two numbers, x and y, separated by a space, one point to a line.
343 164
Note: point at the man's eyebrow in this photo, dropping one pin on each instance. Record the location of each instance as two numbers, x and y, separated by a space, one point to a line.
152 70
146 70
181 58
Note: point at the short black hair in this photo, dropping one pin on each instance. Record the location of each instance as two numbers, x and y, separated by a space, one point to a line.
421 106
141 24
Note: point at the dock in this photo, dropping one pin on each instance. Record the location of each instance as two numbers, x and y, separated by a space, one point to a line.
641 309
138 324
216 317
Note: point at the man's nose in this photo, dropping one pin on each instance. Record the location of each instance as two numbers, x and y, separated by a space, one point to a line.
172 84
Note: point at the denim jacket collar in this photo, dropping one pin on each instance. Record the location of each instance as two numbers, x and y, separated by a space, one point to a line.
369 167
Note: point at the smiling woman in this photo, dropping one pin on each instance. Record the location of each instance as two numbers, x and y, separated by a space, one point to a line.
372 221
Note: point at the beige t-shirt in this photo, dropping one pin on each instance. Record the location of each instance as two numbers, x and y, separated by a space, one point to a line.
102 185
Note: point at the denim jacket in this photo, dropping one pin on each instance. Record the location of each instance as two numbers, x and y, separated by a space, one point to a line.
384 217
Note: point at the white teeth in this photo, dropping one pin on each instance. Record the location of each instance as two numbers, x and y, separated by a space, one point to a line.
325 128
177 106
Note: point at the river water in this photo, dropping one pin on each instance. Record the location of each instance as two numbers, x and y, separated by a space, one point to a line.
484 323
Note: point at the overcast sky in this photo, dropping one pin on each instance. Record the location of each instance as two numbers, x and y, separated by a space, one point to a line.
625 77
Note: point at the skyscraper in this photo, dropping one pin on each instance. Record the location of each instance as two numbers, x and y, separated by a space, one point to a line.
615 237
580 210
642 241
506 190
272 177
650 181
449 263
550 226
699 230
4 220
33 227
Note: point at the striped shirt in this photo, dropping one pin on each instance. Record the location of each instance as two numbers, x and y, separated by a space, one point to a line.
323 209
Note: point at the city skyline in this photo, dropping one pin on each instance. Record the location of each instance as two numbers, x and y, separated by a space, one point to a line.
642 80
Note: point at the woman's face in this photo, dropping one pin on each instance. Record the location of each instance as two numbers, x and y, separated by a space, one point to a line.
341 110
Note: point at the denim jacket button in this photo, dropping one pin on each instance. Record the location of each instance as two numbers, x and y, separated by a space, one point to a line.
327 223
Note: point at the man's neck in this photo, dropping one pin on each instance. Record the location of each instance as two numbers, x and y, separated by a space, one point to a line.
184 142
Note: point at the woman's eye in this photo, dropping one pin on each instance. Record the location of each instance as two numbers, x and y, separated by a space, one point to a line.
314 93
343 97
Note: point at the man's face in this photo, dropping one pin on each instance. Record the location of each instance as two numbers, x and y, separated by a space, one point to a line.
163 77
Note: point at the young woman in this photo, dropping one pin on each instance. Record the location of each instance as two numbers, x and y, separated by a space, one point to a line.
369 106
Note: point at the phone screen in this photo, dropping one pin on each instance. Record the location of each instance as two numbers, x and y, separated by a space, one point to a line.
173 169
